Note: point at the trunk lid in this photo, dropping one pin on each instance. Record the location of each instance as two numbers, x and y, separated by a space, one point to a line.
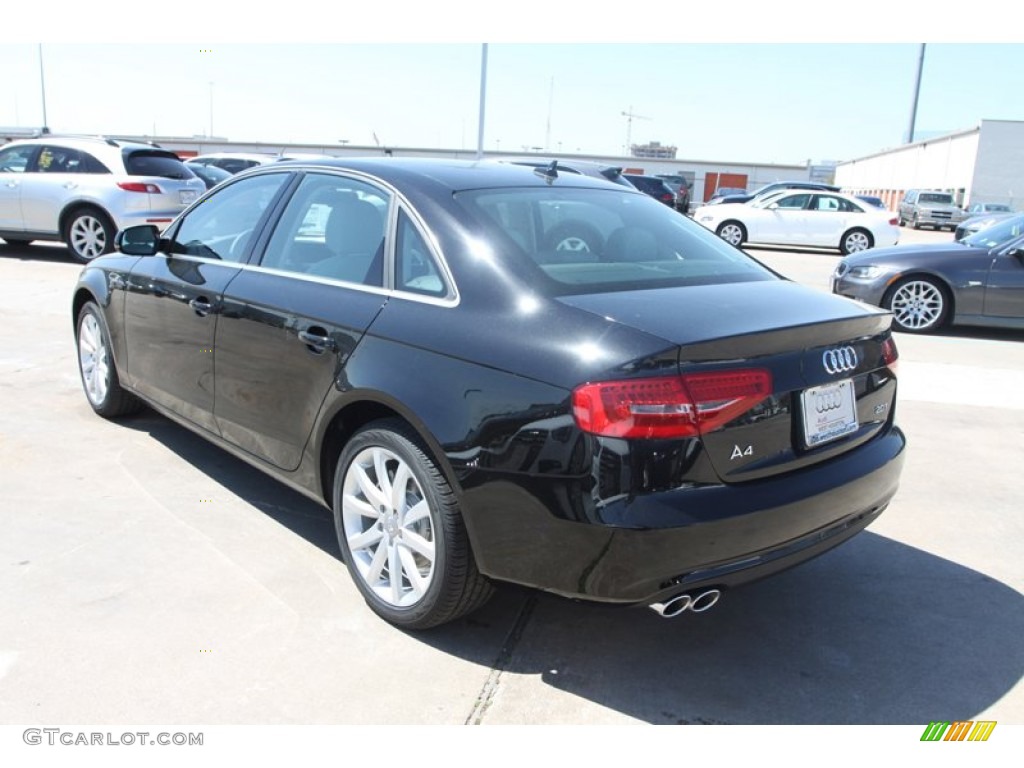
830 360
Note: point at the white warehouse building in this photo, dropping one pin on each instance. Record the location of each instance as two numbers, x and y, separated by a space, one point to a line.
984 164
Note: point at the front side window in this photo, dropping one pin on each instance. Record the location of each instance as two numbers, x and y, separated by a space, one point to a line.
793 202
222 226
16 159
332 227
573 240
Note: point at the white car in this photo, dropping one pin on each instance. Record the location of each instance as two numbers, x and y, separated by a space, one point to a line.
804 217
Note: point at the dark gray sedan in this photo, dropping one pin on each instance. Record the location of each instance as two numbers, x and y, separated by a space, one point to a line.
975 281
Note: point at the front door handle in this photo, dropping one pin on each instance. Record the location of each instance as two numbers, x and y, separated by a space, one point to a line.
202 306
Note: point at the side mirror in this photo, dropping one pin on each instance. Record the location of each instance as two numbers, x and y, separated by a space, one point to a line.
1017 253
143 240
772 206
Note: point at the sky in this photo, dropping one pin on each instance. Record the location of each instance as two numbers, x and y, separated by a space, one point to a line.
396 76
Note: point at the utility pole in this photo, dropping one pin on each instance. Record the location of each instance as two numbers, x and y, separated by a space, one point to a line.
917 92
630 116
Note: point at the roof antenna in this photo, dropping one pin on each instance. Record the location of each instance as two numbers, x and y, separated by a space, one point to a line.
550 173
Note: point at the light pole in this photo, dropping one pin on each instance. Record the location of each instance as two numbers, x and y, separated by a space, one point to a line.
917 92
483 102
42 89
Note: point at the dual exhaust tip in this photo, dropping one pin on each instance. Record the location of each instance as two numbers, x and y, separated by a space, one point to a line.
680 604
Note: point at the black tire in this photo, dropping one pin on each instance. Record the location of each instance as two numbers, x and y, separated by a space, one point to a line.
453 585
903 222
16 241
88 233
96 366
855 241
733 232
919 304
915 222
574 236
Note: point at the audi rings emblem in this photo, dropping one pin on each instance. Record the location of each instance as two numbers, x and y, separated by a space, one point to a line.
827 401
839 360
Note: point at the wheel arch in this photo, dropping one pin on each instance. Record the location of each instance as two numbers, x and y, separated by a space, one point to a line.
354 413
76 205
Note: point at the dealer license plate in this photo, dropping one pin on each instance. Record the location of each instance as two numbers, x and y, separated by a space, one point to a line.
830 412
188 196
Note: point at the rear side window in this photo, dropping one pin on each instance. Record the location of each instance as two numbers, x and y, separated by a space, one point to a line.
155 163
569 240
333 227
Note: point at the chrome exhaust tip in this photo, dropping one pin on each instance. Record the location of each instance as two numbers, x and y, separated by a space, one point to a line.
705 600
679 604
672 607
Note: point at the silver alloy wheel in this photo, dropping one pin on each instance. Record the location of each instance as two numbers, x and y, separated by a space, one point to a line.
389 527
88 236
731 233
856 241
93 358
918 305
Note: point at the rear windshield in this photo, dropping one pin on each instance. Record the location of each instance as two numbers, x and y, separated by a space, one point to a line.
145 162
933 197
571 241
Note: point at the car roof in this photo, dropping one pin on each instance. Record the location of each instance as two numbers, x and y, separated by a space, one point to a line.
454 175
90 143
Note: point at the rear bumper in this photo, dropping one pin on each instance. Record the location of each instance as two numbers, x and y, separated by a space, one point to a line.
720 535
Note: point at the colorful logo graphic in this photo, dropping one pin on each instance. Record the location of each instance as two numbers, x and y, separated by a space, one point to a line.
959 730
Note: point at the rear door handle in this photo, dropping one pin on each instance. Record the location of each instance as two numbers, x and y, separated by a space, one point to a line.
317 340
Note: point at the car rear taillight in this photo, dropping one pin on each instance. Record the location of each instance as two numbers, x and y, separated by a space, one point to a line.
894 222
668 406
890 355
138 186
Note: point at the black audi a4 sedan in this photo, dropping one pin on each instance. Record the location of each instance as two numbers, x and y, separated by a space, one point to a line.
420 346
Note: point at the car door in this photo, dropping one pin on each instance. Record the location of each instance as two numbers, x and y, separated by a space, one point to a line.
1004 289
15 164
290 324
784 220
58 173
826 220
174 299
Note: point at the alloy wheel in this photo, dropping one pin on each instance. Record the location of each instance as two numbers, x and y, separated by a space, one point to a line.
93 358
918 305
389 527
88 236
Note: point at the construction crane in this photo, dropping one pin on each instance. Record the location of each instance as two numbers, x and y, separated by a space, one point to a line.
630 116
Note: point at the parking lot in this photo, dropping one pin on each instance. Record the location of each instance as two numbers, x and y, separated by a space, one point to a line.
148 577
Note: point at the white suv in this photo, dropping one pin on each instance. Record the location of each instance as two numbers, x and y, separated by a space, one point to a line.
82 190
